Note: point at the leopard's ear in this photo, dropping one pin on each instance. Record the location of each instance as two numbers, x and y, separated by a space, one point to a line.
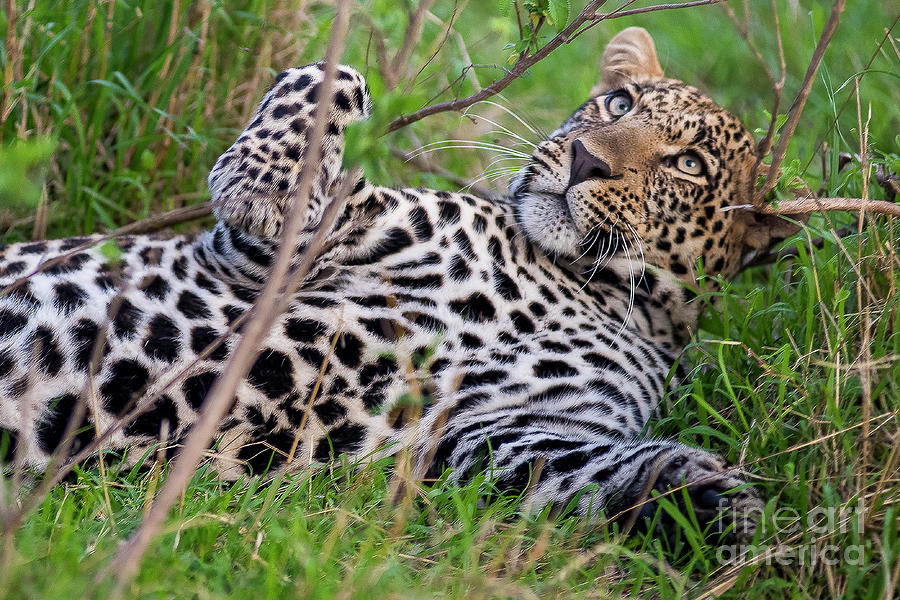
629 57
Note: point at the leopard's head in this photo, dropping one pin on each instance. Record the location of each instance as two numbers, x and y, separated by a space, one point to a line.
647 165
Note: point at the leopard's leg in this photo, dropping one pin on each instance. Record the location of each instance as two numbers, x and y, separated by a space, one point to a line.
607 471
254 181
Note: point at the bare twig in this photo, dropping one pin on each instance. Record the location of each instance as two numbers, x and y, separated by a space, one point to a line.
165 220
646 9
127 560
809 205
440 44
765 145
762 149
793 117
376 38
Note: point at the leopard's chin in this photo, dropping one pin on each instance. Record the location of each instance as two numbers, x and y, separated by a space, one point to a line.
546 220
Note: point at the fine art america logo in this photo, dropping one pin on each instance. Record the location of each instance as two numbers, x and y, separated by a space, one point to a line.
800 540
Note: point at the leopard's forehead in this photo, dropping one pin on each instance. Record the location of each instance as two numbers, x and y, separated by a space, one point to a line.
674 112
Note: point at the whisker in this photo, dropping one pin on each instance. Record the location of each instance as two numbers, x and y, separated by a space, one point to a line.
640 248
496 176
479 143
507 151
500 127
468 146
507 169
422 153
605 255
493 176
631 290
516 140
504 158
514 116
587 246
489 173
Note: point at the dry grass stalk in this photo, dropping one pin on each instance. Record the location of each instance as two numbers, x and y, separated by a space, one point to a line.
865 371
126 562
313 394
398 66
13 70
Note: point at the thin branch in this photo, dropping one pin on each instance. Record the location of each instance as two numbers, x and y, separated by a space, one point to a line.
148 225
810 205
127 560
517 70
376 36
787 131
646 9
437 48
586 19
765 145
165 220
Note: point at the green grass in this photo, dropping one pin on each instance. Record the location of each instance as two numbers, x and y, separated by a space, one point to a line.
120 109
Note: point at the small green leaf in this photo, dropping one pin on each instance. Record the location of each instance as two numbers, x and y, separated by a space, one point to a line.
558 13
147 161
22 170
110 249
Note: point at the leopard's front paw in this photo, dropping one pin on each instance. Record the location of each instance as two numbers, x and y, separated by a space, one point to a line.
710 484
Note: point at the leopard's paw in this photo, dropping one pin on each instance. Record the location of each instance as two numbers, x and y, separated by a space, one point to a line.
718 495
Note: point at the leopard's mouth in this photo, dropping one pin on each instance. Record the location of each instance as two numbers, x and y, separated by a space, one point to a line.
547 221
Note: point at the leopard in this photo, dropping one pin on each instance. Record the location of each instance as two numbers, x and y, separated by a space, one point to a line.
531 336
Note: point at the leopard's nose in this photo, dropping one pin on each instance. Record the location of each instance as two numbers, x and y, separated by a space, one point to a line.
587 166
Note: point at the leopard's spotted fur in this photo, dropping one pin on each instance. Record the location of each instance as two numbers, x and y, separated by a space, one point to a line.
549 348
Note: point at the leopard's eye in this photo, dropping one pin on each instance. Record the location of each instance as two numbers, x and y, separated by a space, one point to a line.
690 164
619 103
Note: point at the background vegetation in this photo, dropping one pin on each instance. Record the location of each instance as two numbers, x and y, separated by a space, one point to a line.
113 111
